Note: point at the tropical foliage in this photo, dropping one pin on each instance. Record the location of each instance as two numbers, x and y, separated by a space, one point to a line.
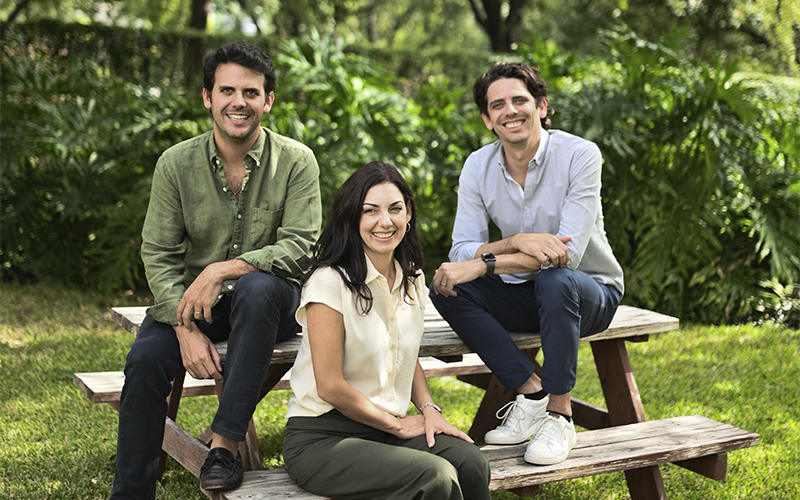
701 180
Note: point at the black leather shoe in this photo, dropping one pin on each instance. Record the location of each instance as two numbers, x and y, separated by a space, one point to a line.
221 471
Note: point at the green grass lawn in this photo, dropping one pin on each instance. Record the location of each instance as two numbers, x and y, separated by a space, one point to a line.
55 444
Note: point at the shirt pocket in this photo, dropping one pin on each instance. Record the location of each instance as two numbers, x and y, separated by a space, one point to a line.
264 226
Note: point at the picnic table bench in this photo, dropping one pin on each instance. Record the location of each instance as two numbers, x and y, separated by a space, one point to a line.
618 437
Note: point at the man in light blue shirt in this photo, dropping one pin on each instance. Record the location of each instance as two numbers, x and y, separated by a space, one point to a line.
552 271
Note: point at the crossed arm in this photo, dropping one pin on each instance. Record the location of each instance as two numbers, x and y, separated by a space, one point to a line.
521 253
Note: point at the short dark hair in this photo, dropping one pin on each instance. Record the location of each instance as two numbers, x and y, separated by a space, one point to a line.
340 245
244 54
529 75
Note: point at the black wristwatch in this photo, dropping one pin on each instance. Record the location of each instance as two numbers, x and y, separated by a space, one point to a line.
490 259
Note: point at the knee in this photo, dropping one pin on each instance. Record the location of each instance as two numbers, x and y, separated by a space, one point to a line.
256 283
556 282
473 467
439 482
475 461
152 362
256 289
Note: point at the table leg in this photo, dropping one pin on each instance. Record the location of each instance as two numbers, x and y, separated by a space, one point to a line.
625 407
173 403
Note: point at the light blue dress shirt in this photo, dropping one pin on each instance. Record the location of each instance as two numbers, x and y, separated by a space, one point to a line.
561 197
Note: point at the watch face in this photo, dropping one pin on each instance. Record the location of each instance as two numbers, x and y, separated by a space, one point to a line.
487 256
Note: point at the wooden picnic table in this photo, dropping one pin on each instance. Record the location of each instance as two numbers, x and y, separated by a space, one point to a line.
622 397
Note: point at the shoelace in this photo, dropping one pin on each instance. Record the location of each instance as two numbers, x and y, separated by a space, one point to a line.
547 432
509 408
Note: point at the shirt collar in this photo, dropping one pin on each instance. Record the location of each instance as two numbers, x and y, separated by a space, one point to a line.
373 274
538 158
255 152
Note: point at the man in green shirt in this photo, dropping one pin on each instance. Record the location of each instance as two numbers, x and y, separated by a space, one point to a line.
233 215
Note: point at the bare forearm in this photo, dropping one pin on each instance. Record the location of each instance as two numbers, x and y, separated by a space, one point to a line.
199 298
526 252
420 393
354 405
230 269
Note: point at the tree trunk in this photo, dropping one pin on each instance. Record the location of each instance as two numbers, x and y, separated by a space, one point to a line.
20 5
199 20
502 32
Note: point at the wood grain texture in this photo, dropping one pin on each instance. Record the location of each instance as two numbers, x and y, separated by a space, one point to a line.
621 448
440 340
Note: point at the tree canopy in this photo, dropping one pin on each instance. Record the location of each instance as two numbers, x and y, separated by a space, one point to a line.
763 34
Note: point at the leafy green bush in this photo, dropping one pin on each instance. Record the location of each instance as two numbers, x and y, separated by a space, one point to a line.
701 184
77 157
699 169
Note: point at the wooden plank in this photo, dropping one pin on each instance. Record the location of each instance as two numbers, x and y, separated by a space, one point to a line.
588 415
268 485
106 387
183 447
713 466
440 340
628 447
644 444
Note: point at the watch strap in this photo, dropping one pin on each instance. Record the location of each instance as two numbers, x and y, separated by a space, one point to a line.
425 405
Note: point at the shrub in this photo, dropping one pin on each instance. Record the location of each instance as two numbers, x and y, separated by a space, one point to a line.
698 171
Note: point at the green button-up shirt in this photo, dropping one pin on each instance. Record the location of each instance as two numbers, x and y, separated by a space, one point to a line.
194 218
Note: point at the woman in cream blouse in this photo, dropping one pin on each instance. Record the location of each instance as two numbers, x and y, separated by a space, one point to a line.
349 435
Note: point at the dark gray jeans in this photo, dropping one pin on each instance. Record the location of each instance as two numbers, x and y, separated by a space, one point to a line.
259 313
563 305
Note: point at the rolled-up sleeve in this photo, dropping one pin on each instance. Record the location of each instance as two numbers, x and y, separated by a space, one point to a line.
164 245
299 227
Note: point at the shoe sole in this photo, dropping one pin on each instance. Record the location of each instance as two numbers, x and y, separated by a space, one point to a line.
219 486
546 461
488 441
534 430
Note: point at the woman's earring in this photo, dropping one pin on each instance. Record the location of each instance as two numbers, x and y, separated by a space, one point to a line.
408 226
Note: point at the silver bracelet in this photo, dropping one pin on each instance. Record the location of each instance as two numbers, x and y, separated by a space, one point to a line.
429 404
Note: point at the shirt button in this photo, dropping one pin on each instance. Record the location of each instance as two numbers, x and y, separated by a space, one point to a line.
235 246
230 287
238 216
224 190
393 346
391 318
258 163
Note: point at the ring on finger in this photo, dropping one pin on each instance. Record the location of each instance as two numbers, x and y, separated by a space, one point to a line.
198 313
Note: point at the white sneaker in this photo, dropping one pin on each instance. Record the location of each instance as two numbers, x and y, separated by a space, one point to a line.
521 420
553 442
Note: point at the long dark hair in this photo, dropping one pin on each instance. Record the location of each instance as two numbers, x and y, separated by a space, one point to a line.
340 246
